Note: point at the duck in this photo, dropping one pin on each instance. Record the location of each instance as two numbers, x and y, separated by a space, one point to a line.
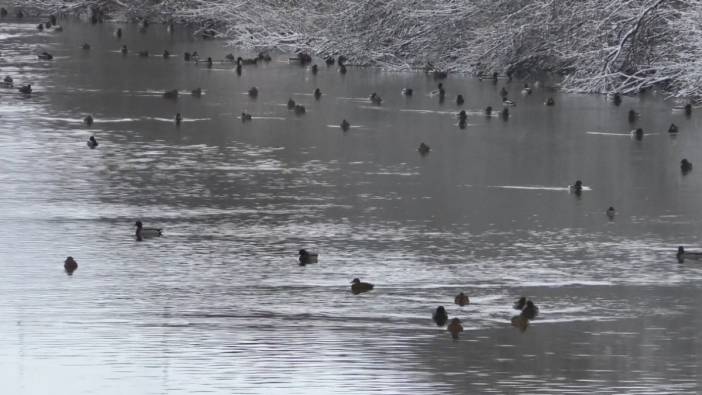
171 94
88 120
92 143
342 68
253 92
530 311
632 116
19 14
685 166
300 109
317 93
124 49
462 116
329 60
520 322
673 128
462 124
342 59
195 56
52 19
610 212
264 56
576 188
616 99
187 56
166 54
520 303
638 133
209 62
505 113
345 125
3 12
26 89
455 328
7 82
291 104
307 257
197 92
118 32
488 111
40 27
178 118
687 109
146 233
459 100
303 58
358 287
70 265
45 56
461 299
682 255
245 117
314 69
442 92
550 102
407 91
503 92
85 47
246 61
526 90
375 99
144 54
440 316
238 69
507 102
423 149
230 57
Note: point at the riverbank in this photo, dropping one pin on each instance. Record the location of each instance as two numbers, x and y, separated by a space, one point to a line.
594 46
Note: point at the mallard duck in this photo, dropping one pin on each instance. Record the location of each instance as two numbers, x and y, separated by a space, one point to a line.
70 265
124 50
638 133
307 257
345 125
358 287
88 120
166 54
342 69
632 116
230 57
178 118
520 303
576 188
92 143
504 114
682 255
45 56
407 91
245 61
440 316
488 111
462 116
530 311
520 322
455 328
461 299
317 93
187 56
40 27
209 62
673 128
300 109
118 32
144 54
245 117
303 58
423 149
85 47
146 233
504 93
610 212
329 60
253 92
7 82
685 166
291 104
26 89
550 102
459 100
526 90
171 94
616 99
507 102
314 69
197 92
264 56
375 99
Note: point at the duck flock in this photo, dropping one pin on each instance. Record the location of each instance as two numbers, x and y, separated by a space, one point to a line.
527 309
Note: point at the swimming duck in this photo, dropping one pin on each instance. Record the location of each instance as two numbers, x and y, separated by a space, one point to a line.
40 27
166 54
358 287
423 149
503 92
186 56
455 328
342 69
550 102
459 100
461 299
307 257
48 25
26 89
520 322
253 92
124 50
146 233
238 69
638 133
505 113
264 56
88 120
345 125
341 60
682 255
317 93
300 109
526 90
86 47
195 56
70 265
171 94
143 25
209 62
303 58
519 304
610 212
673 128
440 316
329 61
507 102
314 69
462 124
685 166
197 92
688 109
291 104
530 311
230 57
45 56
375 99
442 92
245 117
407 91
462 116
632 116
245 61
178 118
118 32
488 111
7 82
92 143
617 99
576 188
144 54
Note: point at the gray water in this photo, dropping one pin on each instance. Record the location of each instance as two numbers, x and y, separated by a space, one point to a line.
219 305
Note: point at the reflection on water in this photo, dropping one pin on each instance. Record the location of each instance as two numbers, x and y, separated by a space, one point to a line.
219 304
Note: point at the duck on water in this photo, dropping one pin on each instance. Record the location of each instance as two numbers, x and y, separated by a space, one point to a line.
146 233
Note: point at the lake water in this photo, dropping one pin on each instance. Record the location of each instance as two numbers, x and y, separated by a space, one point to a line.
219 305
